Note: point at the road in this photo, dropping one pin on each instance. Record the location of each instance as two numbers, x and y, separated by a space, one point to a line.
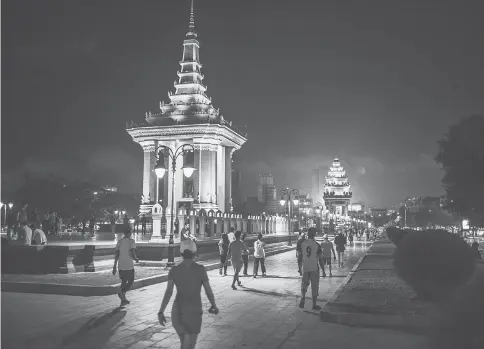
261 314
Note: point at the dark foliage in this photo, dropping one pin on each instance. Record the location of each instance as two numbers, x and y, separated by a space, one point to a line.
396 234
461 154
463 324
434 263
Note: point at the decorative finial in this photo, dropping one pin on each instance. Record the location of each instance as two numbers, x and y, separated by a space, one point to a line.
191 26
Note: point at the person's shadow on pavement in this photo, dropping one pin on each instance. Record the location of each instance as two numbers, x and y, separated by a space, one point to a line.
96 331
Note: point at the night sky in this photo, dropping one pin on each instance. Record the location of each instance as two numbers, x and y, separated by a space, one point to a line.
374 82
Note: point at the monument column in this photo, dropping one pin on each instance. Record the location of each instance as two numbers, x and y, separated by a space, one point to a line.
197 175
149 180
228 178
220 184
207 174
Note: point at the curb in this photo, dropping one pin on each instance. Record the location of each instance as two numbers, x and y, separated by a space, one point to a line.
340 288
104 290
417 324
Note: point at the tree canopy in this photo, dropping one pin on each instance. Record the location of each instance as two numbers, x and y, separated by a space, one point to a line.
71 198
461 154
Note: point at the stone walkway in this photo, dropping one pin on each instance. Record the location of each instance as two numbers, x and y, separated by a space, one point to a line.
261 314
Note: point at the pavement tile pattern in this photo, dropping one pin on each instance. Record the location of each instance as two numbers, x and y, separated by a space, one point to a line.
261 314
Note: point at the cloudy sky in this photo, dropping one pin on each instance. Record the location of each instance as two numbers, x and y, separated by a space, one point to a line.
374 82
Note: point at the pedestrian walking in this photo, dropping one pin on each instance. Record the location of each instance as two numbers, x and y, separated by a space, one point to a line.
340 242
327 248
123 261
300 240
311 261
185 232
223 246
350 238
231 234
259 256
186 315
235 254
245 256
143 224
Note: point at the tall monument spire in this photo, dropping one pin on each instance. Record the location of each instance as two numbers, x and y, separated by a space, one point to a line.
191 27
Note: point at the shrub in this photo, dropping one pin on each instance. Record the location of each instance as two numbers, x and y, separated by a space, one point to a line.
395 234
463 319
434 263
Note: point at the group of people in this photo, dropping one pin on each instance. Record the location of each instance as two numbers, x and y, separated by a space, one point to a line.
28 229
233 248
189 276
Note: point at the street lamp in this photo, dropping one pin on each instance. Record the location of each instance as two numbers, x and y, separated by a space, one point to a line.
10 205
160 169
292 195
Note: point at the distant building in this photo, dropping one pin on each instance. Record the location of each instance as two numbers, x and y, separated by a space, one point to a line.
253 206
267 193
358 206
337 194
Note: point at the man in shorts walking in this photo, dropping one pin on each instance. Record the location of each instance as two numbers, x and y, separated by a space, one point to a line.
327 247
311 260
123 261
235 254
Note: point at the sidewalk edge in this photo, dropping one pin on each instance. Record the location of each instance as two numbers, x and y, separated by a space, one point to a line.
419 325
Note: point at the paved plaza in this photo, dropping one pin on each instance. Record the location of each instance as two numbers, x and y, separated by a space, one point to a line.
263 313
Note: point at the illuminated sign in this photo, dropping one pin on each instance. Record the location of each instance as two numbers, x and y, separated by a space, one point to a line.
354 207
465 224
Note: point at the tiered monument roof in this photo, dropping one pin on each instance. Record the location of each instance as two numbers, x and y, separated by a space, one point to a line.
189 103
337 185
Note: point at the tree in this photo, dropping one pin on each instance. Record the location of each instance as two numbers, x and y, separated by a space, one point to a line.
461 154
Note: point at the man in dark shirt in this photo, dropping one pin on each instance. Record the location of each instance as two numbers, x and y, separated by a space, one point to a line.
186 315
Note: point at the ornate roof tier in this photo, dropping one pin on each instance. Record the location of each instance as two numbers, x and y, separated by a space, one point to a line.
224 134
189 103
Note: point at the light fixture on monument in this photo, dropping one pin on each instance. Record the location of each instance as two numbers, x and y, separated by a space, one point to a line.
160 168
188 165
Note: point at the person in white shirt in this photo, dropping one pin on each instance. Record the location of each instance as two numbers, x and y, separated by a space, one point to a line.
231 234
123 261
259 255
24 234
311 261
39 237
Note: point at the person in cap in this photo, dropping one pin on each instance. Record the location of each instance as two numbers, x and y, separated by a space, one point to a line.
186 315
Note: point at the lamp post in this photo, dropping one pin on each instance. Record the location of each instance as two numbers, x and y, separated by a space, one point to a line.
292 195
2 205
163 151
